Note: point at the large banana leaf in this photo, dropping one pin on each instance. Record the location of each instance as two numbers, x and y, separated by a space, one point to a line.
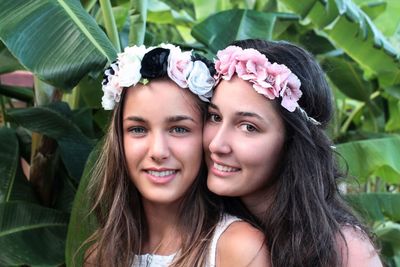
55 121
8 63
13 184
348 77
368 157
31 234
55 39
81 224
377 206
350 29
216 33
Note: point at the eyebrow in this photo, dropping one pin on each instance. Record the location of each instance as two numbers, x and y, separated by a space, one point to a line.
179 118
249 114
176 118
241 113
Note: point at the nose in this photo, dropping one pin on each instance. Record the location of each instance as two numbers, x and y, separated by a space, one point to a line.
159 148
220 142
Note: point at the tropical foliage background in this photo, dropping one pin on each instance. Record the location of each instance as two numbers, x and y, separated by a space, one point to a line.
45 146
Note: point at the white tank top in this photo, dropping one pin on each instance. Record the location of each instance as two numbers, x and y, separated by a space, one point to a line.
154 260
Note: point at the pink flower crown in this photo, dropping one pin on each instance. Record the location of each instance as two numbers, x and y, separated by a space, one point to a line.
269 79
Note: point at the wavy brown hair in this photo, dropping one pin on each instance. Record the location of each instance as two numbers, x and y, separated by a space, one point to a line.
305 218
117 205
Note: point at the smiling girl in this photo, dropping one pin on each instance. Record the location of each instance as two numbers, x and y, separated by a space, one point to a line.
265 143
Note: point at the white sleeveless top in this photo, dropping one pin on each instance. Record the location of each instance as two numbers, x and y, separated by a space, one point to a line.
154 260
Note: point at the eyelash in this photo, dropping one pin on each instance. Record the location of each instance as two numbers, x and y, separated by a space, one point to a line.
253 128
212 117
139 130
135 130
173 130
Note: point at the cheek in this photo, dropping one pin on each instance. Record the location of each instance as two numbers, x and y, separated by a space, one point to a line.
261 155
135 151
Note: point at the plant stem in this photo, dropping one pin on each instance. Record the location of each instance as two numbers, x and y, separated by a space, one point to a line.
109 23
346 125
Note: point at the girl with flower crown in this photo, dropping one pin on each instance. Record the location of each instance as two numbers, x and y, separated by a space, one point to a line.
265 143
148 186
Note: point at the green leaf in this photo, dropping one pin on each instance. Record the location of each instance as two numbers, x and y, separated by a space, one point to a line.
21 93
31 234
55 39
374 10
8 62
367 156
393 124
13 183
54 121
216 34
348 77
350 29
81 225
376 206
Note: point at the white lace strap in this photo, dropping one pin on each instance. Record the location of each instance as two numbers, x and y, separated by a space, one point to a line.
222 225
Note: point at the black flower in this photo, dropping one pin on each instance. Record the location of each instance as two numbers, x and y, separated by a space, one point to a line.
155 63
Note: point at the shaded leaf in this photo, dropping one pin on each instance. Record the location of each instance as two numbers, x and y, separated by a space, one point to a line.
13 183
348 77
81 225
20 93
31 234
55 121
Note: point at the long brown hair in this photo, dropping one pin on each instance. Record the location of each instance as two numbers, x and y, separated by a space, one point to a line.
117 205
305 218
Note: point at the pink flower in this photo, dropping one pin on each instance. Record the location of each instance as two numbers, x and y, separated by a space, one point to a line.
251 65
179 65
225 65
291 93
278 73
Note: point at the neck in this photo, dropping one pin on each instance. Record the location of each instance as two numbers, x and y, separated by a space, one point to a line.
163 228
259 202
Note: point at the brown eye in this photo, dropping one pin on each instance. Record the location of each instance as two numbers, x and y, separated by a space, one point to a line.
214 117
248 128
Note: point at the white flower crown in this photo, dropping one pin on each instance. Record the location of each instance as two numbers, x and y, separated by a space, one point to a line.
138 63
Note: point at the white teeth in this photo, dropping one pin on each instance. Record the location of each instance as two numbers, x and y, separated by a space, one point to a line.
161 174
225 168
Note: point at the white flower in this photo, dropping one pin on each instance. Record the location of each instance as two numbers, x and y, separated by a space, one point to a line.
200 81
112 93
130 62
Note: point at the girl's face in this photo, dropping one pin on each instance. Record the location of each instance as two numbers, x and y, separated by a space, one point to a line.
162 138
243 140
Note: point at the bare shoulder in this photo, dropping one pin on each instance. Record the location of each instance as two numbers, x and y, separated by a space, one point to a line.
359 249
242 245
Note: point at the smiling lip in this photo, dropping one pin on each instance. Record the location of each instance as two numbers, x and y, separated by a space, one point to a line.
222 170
161 176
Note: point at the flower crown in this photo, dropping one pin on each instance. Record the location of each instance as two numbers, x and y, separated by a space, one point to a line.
138 63
269 79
